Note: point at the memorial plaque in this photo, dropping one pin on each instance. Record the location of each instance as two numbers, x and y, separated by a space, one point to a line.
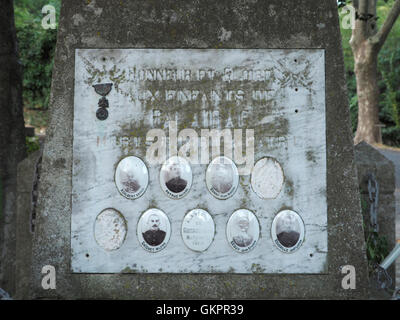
287 231
243 230
131 177
153 230
174 113
176 177
185 94
222 178
198 230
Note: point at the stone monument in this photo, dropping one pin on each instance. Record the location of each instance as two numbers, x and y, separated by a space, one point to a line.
199 150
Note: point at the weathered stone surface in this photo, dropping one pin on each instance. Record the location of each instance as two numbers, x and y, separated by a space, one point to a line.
394 156
370 161
193 24
26 179
12 141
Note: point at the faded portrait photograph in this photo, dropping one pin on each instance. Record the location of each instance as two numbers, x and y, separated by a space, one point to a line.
176 175
242 237
130 184
222 177
288 229
173 179
131 176
154 236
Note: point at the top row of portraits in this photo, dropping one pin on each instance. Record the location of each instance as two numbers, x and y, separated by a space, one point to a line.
222 177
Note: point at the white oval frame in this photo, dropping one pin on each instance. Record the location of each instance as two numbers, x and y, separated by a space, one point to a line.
235 182
165 189
140 230
253 184
142 190
124 222
274 236
230 237
210 241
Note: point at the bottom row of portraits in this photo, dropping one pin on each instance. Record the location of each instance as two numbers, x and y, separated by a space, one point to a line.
198 230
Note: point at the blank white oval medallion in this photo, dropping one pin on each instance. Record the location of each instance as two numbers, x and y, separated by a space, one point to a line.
243 230
110 229
131 177
267 178
198 230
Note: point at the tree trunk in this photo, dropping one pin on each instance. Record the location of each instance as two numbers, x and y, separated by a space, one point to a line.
366 71
12 141
366 42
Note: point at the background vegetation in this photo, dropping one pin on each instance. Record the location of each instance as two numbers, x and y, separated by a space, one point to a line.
37 51
389 79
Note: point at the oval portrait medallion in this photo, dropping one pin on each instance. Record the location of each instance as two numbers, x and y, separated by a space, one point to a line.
222 178
267 178
287 231
131 177
198 230
110 229
176 177
243 230
153 230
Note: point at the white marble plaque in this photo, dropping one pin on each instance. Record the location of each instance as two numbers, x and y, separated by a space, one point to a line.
176 177
153 230
257 107
222 178
131 177
198 230
243 230
287 231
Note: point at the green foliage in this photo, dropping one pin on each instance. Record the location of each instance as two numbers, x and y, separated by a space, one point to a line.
391 136
389 80
36 48
353 107
389 64
377 247
35 6
32 144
